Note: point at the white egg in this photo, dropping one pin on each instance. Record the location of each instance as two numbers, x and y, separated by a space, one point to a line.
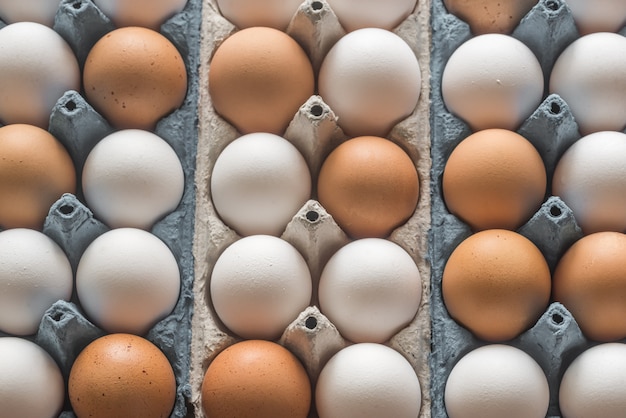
31 383
492 81
259 285
370 289
358 14
368 380
258 183
37 67
496 381
132 178
127 280
371 79
598 15
146 13
594 385
34 274
589 76
590 178
39 11
275 14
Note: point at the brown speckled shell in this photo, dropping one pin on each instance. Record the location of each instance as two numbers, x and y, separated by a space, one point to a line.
490 16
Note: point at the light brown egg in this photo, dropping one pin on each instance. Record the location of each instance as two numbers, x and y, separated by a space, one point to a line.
258 79
122 375
494 178
590 281
497 284
134 76
35 171
369 185
256 379
490 16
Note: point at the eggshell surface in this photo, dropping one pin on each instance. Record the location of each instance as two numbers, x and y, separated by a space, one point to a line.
492 81
590 281
37 66
127 280
258 79
368 380
38 11
146 13
494 178
134 76
359 14
598 15
593 385
250 13
31 384
496 283
589 76
370 289
371 79
256 379
369 185
122 375
258 183
36 171
34 274
259 285
495 381
132 178
490 16
590 178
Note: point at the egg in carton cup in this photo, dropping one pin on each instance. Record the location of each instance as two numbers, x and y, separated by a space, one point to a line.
310 229
552 339
65 329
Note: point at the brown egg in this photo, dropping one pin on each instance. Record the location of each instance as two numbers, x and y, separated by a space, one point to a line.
494 178
258 79
35 171
369 185
497 284
122 375
590 281
490 16
134 76
256 379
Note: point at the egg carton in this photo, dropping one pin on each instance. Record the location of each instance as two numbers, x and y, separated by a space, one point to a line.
555 340
315 132
65 329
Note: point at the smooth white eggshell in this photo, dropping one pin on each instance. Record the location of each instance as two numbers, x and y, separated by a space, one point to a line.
258 183
590 178
370 289
590 76
371 79
38 11
127 280
492 81
259 285
275 14
496 381
34 274
31 384
358 14
132 178
594 385
146 13
37 67
598 15
368 380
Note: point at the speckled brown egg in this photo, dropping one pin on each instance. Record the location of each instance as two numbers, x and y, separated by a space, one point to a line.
258 79
590 281
369 185
122 375
134 77
256 379
496 283
490 16
35 171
